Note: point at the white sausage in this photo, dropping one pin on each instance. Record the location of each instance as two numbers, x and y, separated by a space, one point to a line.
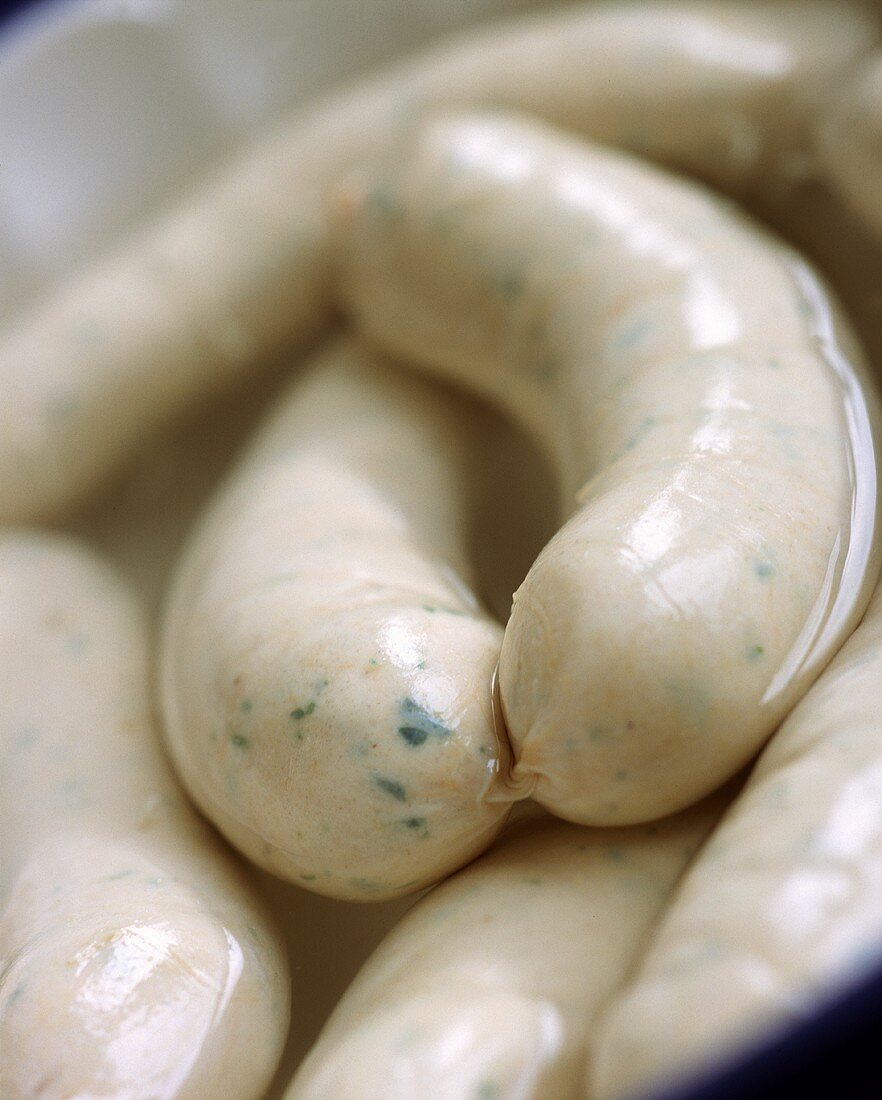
135 961
689 377
784 903
325 669
490 986
239 267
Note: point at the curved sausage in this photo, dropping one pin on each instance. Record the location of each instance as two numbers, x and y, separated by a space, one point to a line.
134 959
490 985
326 670
784 903
239 268
701 398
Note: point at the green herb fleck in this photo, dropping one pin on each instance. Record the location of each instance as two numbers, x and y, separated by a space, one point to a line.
754 652
303 712
239 740
119 875
366 885
416 823
391 786
646 425
418 725
245 706
603 733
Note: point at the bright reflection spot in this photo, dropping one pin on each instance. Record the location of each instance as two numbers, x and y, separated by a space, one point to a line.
432 689
401 644
468 1043
693 583
802 904
481 146
716 434
643 236
235 964
655 530
151 1006
845 585
855 822
714 45
712 322
807 640
714 437
124 962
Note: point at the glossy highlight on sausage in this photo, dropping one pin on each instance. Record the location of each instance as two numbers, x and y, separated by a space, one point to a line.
702 399
491 984
325 667
784 903
239 269
135 959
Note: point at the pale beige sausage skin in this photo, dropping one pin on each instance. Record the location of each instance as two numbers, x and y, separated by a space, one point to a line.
227 279
701 398
325 669
239 269
491 984
135 960
785 901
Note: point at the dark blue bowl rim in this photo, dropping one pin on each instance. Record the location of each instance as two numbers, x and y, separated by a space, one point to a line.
834 1052
10 9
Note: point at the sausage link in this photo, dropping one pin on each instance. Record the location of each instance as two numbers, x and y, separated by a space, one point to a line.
239 269
135 960
703 402
490 985
326 670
